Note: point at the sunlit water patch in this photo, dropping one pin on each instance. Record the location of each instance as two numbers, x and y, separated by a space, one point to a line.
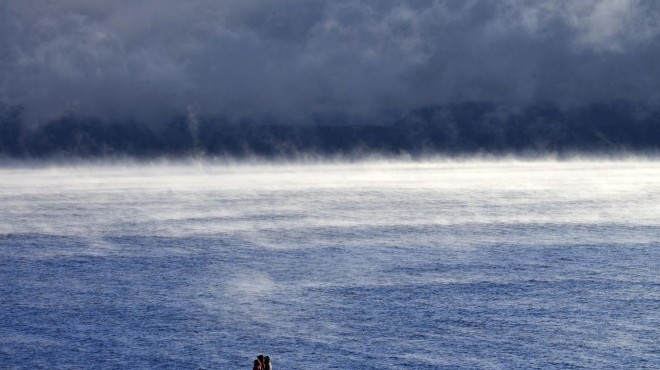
373 265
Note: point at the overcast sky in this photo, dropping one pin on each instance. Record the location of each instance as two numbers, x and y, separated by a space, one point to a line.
145 59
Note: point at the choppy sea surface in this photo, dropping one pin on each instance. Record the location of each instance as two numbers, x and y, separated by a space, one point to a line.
431 265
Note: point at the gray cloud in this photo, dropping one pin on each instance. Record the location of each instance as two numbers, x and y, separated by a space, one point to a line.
146 59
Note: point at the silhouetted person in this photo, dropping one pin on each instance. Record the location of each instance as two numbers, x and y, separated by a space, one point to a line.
257 365
267 364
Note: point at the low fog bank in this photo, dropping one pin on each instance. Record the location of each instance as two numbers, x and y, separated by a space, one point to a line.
467 129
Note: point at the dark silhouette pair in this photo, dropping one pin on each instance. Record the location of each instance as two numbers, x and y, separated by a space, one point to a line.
262 363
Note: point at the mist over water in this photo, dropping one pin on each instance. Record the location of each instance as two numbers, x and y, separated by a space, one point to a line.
408 263
437 264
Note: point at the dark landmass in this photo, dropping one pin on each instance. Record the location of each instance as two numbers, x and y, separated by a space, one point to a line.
458 129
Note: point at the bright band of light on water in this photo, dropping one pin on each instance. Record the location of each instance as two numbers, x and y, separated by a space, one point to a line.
448 264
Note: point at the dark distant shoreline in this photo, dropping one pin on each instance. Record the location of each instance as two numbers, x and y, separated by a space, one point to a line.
453 130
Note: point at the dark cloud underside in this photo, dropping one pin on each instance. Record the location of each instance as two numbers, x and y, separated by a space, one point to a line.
147 59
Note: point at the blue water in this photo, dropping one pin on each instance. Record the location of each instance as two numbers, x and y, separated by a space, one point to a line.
425 266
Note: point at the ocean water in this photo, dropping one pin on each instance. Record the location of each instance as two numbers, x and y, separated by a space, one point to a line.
375 265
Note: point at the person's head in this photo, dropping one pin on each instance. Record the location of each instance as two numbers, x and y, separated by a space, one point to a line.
267 360
260 358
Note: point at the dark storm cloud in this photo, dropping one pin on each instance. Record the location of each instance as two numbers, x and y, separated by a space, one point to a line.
148 59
